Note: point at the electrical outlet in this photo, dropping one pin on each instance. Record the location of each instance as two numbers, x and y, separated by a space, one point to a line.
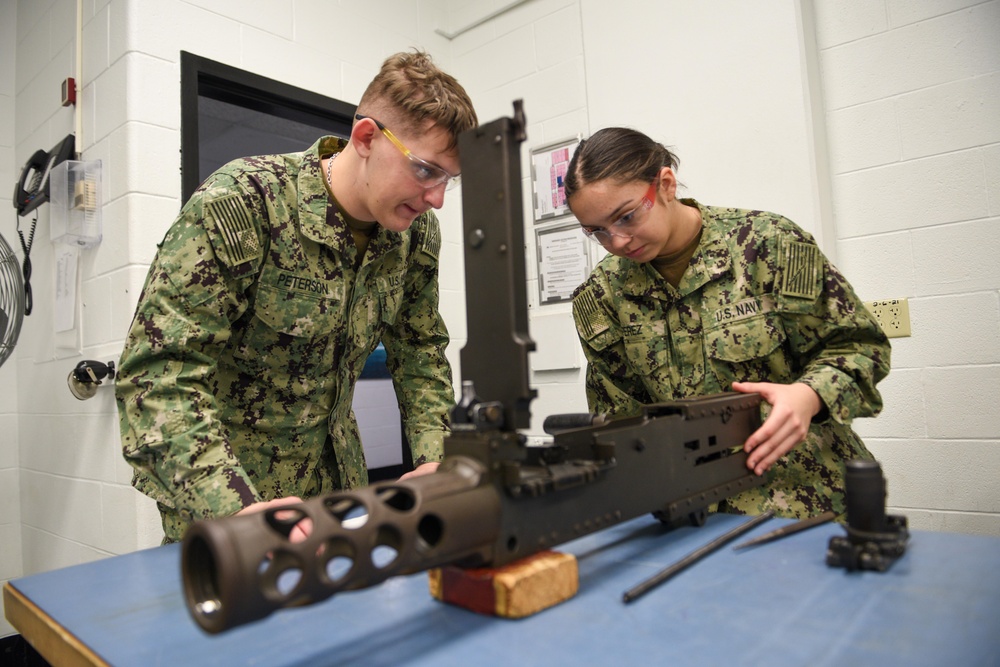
893 315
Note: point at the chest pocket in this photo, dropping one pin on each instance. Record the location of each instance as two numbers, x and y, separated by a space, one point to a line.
646 355
296 314
670 367
750 350
288 338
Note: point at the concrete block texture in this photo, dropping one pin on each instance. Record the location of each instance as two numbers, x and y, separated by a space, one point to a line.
861 136
955 330
905 12
879 266
939 50
974 523
957 258
951 116
962 402
62 506
843 21
8 448
903 408
991 164
917 193
932 474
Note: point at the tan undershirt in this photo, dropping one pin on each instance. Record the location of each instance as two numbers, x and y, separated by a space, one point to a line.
361 232
673 266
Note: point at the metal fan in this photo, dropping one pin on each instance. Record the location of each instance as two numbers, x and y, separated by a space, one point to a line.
11 300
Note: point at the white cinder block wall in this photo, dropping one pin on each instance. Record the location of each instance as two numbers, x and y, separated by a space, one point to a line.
10 505
912 97
912 116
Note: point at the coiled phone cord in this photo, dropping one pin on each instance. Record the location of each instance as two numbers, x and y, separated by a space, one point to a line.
26 268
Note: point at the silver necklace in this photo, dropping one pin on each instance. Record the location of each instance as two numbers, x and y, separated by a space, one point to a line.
329 171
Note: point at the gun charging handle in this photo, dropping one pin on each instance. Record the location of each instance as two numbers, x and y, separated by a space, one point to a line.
554 424
874 539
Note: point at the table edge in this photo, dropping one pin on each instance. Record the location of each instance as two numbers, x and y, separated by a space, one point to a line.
54 642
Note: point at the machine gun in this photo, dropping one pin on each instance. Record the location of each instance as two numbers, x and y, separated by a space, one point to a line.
494 499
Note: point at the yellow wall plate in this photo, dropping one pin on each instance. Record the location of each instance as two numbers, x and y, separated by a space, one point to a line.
893 316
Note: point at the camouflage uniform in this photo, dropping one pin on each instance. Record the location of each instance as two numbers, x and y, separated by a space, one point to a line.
758 303
255 322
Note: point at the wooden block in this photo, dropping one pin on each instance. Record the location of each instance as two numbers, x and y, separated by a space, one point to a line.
516 590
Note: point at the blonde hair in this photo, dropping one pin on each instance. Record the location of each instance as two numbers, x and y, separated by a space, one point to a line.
412 90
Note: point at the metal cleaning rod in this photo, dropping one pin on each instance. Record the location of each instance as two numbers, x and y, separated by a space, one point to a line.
694 557
790 529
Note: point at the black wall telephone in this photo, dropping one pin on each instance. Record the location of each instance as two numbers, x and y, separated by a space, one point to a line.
32 190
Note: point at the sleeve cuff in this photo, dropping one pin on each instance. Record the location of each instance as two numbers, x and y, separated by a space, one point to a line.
225 492
829 385
427 447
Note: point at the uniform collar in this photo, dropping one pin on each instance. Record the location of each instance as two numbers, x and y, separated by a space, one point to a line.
315 202
710 260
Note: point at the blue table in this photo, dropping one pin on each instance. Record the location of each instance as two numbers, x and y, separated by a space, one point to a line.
777 604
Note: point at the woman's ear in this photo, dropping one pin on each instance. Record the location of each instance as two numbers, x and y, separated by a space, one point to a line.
668 183
362 135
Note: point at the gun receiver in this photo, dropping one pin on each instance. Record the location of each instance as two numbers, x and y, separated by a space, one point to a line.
494 499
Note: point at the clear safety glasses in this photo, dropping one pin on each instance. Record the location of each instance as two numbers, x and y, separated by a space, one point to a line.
626 225
426 174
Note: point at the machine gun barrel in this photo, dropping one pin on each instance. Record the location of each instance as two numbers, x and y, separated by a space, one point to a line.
244 567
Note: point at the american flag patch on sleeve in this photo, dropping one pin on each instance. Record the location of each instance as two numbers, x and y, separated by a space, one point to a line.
232 219
802 265
432 240
590 318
